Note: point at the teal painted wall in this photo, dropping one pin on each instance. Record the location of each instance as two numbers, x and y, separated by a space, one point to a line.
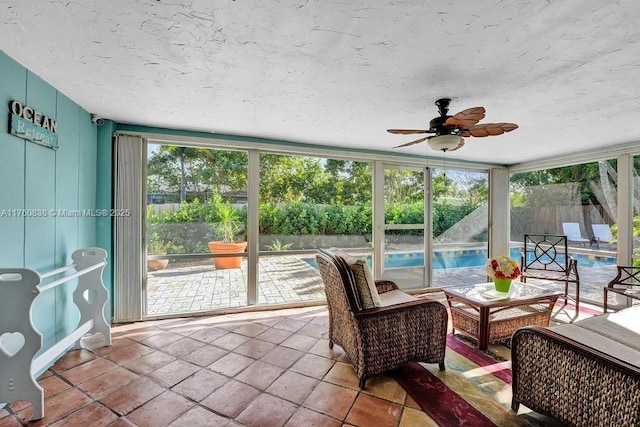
36 177
104 200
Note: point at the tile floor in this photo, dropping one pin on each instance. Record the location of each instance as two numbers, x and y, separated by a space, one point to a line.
269 368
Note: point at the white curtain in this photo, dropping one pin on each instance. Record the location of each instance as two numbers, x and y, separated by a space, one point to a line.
129 193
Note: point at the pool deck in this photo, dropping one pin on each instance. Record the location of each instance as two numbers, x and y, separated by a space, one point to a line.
197 287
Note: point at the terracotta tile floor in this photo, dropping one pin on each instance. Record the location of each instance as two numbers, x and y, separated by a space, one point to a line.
269 368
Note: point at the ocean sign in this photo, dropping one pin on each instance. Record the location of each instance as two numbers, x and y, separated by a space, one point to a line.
28 123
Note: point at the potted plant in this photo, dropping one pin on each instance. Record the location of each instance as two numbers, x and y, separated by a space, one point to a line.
227 225
155 246
502 270
278 246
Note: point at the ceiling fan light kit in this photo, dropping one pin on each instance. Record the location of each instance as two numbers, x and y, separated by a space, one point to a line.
445 142
448 131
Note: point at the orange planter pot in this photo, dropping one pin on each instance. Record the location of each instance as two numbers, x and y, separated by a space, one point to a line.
227 248
157 264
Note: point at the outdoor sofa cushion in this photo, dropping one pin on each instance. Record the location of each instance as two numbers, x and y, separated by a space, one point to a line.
622 326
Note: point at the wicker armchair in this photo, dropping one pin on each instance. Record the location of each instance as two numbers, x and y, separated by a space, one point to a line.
380 339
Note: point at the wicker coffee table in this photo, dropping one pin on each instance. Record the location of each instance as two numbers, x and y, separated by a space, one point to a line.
479 311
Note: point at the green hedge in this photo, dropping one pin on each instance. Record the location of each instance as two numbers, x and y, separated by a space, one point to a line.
188 229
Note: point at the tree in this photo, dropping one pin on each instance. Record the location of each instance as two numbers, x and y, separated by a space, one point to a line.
345 182
403 186
472 189
198 171
577 180
225 171
608 187
288 178
174 168
441 186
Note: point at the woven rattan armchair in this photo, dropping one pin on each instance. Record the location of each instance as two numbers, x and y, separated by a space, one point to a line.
380 339
626 282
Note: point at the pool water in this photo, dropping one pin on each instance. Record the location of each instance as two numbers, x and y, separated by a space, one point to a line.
467 258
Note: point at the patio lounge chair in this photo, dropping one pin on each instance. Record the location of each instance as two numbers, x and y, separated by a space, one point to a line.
572 231
379 339
602 233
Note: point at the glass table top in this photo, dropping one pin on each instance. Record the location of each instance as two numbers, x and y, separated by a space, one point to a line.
486 292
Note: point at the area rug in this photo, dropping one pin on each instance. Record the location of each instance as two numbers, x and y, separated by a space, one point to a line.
475 389
566 313
447 404
440 402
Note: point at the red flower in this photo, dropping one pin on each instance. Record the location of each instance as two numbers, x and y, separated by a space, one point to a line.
502 267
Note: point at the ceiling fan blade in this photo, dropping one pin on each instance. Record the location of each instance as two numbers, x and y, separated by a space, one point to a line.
491 129
407 131
466 118
413 142
459 145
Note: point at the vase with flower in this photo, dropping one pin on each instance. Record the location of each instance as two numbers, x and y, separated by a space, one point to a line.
502 271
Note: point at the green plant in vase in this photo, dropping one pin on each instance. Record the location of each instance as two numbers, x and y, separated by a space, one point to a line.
228 222
227 225
502 270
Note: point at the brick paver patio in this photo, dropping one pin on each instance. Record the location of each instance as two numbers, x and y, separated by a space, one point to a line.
196 286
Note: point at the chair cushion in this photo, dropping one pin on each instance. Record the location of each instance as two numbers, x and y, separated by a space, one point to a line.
395 297
619 350
622 326
365 282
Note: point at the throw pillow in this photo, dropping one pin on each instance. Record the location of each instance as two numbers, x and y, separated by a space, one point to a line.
372 285
365 282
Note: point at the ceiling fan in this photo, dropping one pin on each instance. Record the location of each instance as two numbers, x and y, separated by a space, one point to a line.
448 131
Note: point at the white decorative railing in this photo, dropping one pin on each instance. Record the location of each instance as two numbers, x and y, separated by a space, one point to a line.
19 339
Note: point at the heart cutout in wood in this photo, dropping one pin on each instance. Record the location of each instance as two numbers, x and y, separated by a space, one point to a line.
90 295
11 343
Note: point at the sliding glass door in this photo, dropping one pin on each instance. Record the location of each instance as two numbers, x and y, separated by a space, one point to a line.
196 229
308 203
581 202
460 225
454 234
402 225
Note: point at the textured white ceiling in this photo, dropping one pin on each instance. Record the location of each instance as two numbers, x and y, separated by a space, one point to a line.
339 73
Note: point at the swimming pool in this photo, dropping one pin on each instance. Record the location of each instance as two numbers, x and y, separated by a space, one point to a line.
467 258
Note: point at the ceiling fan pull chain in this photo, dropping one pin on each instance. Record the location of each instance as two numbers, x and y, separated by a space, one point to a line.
444 163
